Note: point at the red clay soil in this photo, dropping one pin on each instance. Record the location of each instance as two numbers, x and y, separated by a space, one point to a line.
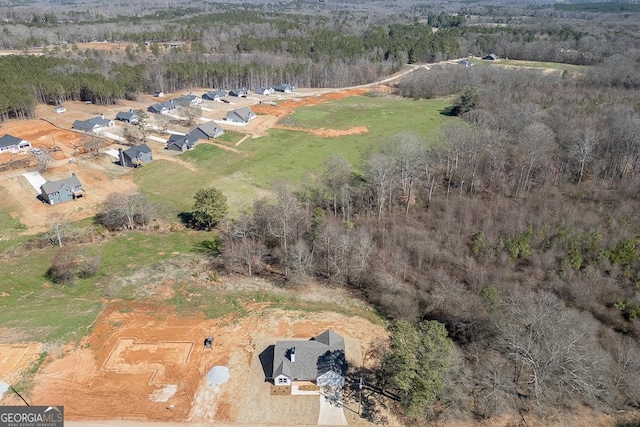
285 108
135 350
328 133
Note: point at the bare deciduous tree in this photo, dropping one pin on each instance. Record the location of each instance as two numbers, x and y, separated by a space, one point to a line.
125 211
191 114
555 349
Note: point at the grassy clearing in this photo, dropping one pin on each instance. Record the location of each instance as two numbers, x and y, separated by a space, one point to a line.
39 310
42 311
216 303
230 138
534 64
289 155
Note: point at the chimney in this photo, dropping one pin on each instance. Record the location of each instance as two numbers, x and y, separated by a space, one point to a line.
292 354
102 116
73 174
131 110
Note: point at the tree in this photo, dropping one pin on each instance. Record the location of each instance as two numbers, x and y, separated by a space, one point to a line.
162 122
209 207
122 211
337 175
93 146
142 124
555 349
468 101
44 159
191 114
59 226
70 263
411 155
417 364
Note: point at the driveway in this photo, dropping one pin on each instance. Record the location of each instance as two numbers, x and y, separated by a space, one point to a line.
35 179
331 413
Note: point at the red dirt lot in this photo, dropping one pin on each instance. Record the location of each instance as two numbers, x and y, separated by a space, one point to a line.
285 108
139 353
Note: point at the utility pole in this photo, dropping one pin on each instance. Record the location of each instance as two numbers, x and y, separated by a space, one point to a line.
360 385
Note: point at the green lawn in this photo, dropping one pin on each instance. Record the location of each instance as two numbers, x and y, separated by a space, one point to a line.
534 64
289 155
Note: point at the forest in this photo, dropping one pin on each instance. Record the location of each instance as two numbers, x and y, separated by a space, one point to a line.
511 239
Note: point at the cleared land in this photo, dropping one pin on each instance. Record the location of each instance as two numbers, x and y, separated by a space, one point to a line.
136 350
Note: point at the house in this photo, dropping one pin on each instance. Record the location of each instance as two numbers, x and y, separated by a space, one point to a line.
465 62
158 108
215 95
130 116
60 110
163 107
64 190
240 92
181 142
241 115
490 57
265 90
208 130
158 94
95 124
320 359
135 156
13 144
190 100
285 87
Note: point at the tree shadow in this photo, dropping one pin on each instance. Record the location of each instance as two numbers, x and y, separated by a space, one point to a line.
450 111
188 219
370 403
208 247
266 360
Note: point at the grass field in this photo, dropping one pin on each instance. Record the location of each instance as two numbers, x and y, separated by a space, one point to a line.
289 155
42 311
534 64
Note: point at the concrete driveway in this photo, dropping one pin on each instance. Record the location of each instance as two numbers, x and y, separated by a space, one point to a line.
331 413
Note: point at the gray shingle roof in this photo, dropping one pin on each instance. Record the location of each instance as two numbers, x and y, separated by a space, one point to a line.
312 358
127 115
243 114
55 186
134 151
9 140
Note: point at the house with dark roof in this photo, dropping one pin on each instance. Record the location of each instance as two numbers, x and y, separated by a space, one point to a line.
239 92
265 90
61 191
135 156
190 100
285 87
95 124
207 130
320 359
13 144
490 57
181 142
163 107
158 108
214 95
241 115
130 116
